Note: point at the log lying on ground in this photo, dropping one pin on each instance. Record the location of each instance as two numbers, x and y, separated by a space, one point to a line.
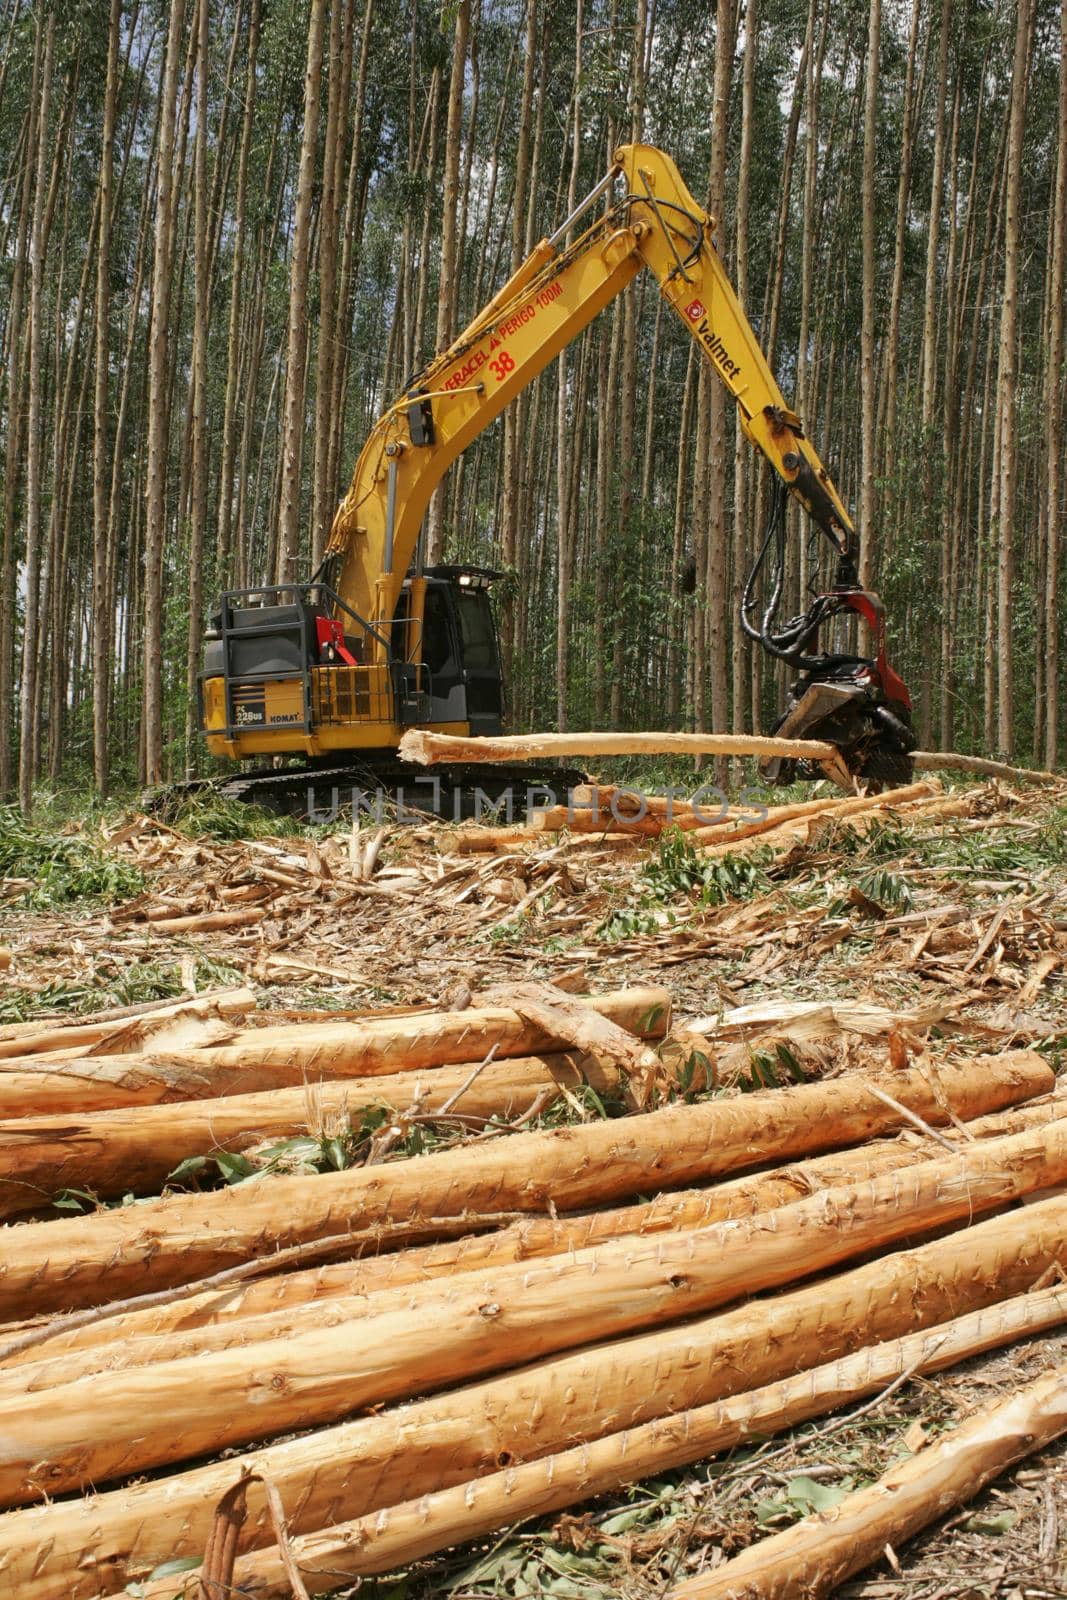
294 1302
51 1266
394 1537
800 814
293 1054
135 1149
867 815
77 1550
391 1346
427 749
948 761
804 1019
816 1555
124 1030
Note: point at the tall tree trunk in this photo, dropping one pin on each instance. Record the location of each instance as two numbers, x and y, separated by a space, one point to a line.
565 563
930 483
868 371
446 293
155 532
38 242
237 274
101 617
329 225
297 342
741 445
1054 413
717 582
1007 382
16 354
201 314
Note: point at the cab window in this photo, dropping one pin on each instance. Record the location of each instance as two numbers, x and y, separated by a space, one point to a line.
477 631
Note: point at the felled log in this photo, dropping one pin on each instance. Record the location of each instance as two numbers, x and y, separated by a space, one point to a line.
76 1550
58 1265
949 761
814 1019
293 1054
123 1029
427 749
209 921
134 1149
777 816
868 813
476 839
391 1346
814 1556
295 1301
394 1537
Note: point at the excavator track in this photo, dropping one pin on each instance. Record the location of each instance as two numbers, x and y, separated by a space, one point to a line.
385 790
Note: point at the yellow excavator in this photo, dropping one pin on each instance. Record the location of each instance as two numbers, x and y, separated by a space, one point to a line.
334 671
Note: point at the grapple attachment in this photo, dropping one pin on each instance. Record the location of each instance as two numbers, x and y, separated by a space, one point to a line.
856 703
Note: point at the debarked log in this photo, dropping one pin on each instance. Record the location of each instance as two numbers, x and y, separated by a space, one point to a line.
76 1550
49 1266
293 1054
392 1346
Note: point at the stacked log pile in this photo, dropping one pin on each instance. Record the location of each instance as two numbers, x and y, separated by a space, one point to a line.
504 1324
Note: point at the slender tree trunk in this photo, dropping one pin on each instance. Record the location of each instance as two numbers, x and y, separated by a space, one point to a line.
16 359
101 618
201 315
326 354
297 343
446 294
237 275
717 580
868 371
565 563
1007 379
38 241
1054 413
158 374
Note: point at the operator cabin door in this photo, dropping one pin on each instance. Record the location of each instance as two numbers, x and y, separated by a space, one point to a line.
441 655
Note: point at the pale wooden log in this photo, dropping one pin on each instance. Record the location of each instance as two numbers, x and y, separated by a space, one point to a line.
292 1054
78 1550
394 1537
949 761
815 1556
426 749
867 815
799 815
804 1019
135 1149
777 815
628 801
478 840
209 921
392 1346
122 1028
289 1302
59 1265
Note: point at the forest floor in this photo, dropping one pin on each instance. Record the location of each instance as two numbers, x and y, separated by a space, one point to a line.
962 920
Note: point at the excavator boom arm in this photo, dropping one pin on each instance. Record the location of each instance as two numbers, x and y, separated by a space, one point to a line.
554 294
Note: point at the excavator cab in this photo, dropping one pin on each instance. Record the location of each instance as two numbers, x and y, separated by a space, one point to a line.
292 665
460 649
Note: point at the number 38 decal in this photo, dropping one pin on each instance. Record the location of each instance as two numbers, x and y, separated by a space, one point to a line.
502 366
